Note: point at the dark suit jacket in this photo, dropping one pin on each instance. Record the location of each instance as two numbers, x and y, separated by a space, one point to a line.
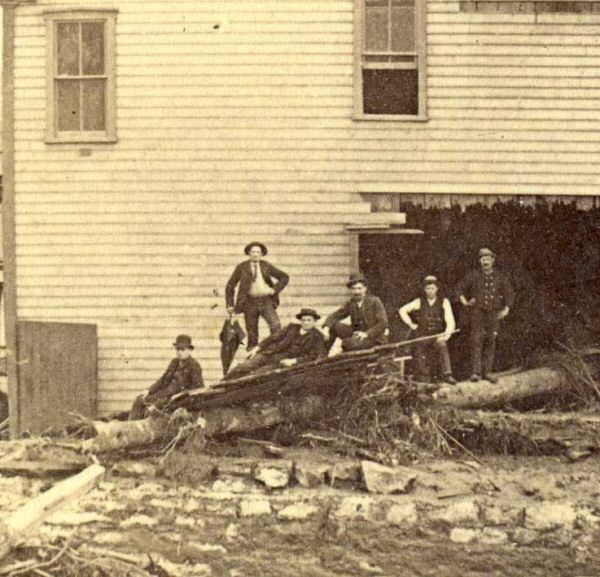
473 286
293 345
373 313
242 275
179 376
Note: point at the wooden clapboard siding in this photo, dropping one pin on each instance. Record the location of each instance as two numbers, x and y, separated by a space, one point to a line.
234 122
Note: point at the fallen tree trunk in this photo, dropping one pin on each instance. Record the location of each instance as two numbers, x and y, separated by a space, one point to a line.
118 435
510 389
21 523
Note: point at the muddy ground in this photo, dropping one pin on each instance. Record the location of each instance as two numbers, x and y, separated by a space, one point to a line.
509 517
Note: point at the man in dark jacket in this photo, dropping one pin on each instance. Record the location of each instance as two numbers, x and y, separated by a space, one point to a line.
489 294
368 319
258 294
297 343
183 373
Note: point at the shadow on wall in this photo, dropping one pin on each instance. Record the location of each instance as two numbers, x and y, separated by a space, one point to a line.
552 254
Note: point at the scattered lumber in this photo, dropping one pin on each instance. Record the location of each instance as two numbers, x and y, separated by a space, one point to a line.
19 525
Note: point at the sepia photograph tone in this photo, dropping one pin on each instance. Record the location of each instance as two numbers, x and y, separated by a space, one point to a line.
300 288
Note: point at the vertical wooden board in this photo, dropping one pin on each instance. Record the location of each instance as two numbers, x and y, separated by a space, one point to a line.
57 373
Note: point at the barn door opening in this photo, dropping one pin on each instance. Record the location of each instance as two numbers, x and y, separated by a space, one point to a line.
394 266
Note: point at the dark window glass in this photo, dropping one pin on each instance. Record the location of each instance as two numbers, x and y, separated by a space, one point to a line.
390 92
67 48
93 104
92 40
68 105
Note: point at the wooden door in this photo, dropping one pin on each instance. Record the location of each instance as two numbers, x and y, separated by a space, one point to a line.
57 374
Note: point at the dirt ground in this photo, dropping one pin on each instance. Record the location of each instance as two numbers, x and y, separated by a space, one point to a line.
509 517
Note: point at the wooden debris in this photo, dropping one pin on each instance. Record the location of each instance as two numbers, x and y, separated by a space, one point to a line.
40 469
21 523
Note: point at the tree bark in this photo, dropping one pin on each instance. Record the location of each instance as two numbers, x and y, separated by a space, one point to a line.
510 389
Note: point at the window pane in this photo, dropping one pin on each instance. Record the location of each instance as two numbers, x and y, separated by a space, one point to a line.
376 25
94 105
67 48
92 37
390 92
67 103
403 25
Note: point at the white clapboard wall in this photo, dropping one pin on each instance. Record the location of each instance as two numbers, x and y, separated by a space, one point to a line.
234 123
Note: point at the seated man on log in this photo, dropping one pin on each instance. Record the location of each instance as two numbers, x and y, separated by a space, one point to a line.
297 343
183 373
368 319
427 316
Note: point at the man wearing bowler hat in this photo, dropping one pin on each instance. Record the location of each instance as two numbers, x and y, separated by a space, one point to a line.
297 343
259 284
488 293
183 373
368 319
427 316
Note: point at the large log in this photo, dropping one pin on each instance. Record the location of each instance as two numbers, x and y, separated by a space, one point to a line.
510 389
119 435
20 524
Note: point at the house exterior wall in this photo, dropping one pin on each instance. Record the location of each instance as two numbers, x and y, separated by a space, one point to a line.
234 123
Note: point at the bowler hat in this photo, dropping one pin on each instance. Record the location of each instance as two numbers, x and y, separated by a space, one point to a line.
260 245
183 342
355 278
308 313
430 279
486 252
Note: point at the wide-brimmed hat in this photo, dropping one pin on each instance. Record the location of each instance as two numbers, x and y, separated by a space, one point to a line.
486 252
260 245
308 313
355 278
430 279
183 342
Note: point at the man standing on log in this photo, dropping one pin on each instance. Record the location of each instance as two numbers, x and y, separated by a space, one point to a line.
296 344
427 316
258 294
368 319
183 373
489 294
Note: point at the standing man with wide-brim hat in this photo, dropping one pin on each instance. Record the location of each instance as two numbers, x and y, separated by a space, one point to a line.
258 285
298 343
488 293
368 319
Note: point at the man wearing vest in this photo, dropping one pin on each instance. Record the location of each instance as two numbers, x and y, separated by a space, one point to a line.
258 294
368 319
431 315
488 292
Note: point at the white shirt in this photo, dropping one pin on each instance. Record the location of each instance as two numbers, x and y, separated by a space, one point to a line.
259 287
415 305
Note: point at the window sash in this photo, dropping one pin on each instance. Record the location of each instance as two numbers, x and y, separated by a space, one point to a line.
92 97
389 59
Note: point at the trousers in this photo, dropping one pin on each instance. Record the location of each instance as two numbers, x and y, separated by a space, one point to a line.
432 359
349 341
484 329
257 364
255 308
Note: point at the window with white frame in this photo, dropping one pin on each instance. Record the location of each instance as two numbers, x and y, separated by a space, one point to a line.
390 59
81 76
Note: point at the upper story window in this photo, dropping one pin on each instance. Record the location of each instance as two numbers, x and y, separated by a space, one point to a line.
390 55
81 76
